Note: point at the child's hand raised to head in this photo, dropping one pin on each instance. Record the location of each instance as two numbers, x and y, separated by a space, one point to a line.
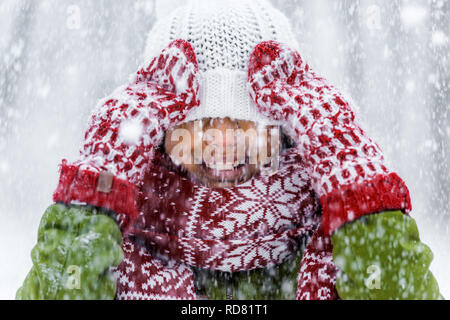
347 168
126 127
133 119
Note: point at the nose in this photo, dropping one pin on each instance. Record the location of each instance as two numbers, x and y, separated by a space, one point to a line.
221 132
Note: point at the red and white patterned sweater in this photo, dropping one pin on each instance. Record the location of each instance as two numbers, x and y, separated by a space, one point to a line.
344 171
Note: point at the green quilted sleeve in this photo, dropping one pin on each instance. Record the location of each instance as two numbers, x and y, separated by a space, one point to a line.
381 257
76 249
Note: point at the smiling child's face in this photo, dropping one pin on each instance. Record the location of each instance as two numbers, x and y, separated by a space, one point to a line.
221 153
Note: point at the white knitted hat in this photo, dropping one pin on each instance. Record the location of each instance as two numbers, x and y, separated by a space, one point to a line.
223 33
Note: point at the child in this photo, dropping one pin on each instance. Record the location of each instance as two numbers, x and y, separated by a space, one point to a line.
170 201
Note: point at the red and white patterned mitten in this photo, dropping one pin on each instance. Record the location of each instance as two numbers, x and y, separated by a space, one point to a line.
126 127
347 168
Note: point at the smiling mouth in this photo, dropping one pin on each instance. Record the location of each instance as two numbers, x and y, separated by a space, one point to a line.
226 171
224 166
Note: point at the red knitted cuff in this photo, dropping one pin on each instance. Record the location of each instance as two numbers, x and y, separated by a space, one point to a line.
83 186
381 193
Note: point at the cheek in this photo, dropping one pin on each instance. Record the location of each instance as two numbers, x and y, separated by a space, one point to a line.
269 148
180 151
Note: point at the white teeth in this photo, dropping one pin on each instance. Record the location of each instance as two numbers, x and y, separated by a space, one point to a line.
224 166
221 166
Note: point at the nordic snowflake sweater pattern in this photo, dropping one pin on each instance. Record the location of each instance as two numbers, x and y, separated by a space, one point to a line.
255 225
343 169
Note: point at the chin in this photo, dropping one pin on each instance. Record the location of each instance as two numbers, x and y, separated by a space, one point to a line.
213 181
223 184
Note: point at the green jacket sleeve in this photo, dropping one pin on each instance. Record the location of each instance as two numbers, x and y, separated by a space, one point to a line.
76 249
381 257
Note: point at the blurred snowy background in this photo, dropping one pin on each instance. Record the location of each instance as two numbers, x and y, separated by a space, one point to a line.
58 57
